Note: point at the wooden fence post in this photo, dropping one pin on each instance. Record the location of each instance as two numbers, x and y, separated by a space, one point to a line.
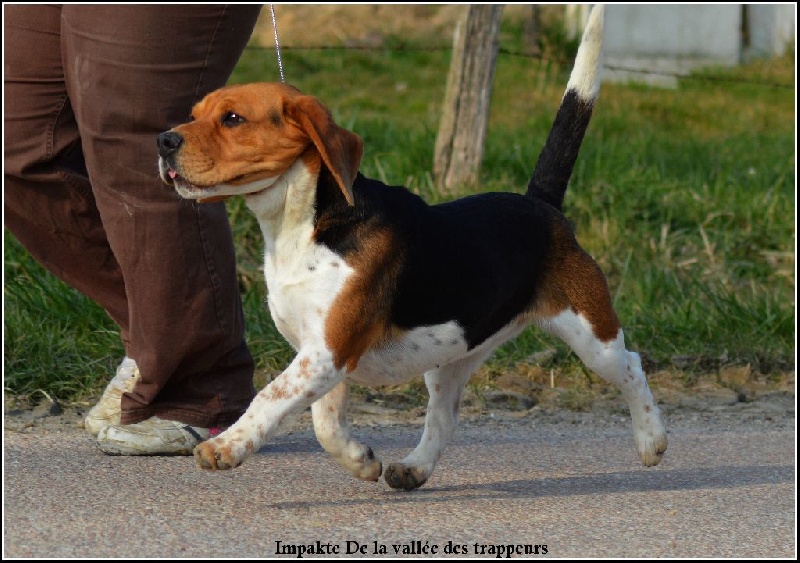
462 130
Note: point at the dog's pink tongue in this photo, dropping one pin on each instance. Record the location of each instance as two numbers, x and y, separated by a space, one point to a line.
172 174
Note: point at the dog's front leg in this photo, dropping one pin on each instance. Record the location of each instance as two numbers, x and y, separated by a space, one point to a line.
333 432
310 376
445 386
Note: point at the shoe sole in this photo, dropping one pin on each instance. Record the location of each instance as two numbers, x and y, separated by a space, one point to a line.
112 451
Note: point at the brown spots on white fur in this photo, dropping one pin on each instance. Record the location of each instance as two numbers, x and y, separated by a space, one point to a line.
304 372
278 390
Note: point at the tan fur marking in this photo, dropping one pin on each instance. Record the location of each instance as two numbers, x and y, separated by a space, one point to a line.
573 280
265 147
358 318
304 363
312 161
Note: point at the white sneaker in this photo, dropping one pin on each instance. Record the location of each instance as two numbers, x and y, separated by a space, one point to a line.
154 436
108 410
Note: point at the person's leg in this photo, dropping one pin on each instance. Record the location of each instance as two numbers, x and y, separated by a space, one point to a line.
47 199
48 203
133 72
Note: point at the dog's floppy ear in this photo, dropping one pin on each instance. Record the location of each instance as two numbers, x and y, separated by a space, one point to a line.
341 150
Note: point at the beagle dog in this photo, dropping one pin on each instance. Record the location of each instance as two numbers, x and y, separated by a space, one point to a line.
371 285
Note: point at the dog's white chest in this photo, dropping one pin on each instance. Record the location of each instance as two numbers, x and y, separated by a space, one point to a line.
303 279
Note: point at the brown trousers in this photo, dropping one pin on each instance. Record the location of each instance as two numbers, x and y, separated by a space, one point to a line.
87 90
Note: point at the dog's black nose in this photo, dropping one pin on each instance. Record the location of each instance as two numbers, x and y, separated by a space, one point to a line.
168 143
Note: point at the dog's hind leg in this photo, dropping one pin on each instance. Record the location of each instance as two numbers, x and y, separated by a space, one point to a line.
445 386
610 360
330 424
589 325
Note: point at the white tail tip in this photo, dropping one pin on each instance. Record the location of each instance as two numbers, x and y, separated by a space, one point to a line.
586 74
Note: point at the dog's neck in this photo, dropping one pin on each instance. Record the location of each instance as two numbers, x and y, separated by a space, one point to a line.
285 211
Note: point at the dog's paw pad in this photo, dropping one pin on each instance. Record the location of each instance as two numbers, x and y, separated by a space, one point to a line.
401 476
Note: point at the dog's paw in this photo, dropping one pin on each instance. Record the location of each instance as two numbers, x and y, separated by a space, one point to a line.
651 441
218 454
367 467
402 476
651 449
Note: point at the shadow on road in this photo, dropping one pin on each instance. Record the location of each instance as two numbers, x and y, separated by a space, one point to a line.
607 483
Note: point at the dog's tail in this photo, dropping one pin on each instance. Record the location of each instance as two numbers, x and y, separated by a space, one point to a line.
554 167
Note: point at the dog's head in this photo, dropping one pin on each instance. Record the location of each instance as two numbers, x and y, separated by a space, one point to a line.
243 138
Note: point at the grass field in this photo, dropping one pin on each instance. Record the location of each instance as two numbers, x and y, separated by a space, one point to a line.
685 197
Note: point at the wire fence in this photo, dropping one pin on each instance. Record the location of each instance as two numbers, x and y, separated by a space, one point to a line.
689 75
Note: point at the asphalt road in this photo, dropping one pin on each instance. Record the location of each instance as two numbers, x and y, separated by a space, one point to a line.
726 488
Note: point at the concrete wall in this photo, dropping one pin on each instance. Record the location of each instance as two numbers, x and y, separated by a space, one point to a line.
772 30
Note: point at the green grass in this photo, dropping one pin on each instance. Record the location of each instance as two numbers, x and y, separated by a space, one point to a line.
54 338
685 198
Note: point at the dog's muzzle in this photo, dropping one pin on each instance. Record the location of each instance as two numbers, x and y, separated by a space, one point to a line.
168 143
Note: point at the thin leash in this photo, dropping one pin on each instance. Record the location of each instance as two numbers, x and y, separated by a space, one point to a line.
277 44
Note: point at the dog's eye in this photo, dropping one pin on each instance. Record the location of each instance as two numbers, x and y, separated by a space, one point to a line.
231 119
